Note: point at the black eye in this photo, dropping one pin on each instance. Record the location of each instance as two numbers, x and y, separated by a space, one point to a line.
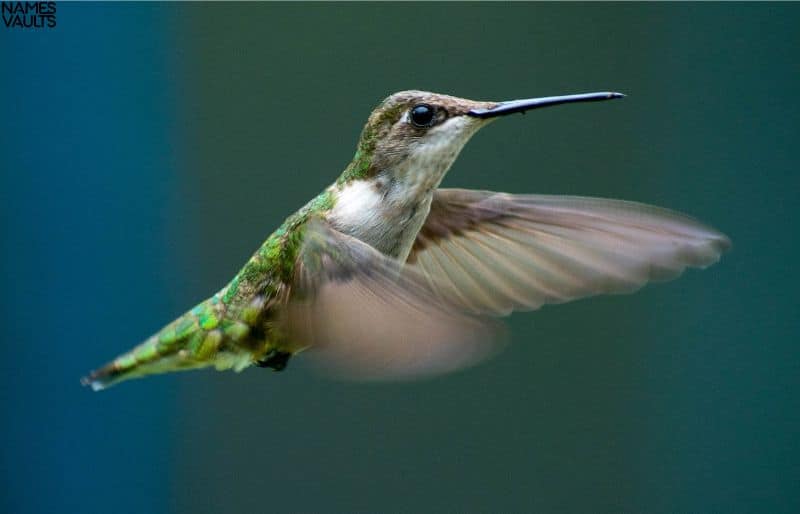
422 115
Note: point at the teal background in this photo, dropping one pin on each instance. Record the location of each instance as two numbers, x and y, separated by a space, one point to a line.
147 149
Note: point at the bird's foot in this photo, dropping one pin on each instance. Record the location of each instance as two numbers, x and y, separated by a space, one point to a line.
274 359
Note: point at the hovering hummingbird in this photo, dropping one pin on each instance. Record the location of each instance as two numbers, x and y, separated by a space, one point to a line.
386 276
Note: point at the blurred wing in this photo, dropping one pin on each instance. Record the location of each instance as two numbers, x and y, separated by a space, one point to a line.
498 252
366 316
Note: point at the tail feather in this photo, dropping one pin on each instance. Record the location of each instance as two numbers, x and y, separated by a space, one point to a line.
146 359
191 341
201 337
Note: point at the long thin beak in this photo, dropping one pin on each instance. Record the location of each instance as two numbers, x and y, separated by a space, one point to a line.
513 106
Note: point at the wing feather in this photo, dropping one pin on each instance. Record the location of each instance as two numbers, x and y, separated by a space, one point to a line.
363 315
495 252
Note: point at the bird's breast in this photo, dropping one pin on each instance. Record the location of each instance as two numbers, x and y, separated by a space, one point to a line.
385 216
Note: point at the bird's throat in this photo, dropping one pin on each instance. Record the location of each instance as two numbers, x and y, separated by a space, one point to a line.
382 212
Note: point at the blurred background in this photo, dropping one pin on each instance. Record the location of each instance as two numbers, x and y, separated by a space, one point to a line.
146 150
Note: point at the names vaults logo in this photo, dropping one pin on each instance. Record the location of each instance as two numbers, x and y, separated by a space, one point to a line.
29 15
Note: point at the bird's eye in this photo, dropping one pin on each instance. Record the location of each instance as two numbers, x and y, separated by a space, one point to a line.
422 115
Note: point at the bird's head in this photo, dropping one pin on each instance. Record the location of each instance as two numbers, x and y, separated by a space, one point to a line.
414 136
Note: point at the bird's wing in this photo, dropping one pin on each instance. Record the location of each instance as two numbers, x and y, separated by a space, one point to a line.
499 252
366 316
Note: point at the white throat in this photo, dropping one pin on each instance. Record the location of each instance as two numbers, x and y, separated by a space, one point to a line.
382 213
387 211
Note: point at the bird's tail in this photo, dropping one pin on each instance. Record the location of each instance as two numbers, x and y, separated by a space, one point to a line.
122 366
148 358
192 341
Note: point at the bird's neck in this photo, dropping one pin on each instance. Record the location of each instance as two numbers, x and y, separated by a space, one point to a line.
384 198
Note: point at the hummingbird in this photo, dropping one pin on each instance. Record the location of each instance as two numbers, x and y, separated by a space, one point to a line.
386 276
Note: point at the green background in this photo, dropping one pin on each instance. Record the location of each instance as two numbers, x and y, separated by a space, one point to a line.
148 149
